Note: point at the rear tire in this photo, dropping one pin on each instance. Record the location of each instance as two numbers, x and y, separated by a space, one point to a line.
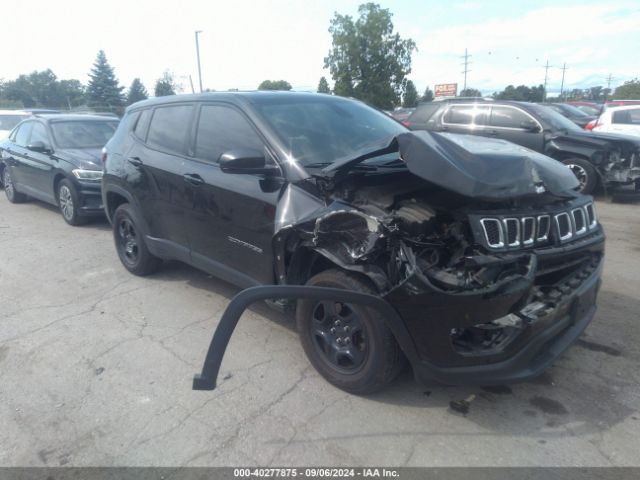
130 243
9 188
349 345
69 203
585 173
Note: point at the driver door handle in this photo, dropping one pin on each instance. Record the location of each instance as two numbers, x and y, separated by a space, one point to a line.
193 179
135 161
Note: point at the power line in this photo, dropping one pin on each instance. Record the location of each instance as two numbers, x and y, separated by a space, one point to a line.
466 63
564 68
546 71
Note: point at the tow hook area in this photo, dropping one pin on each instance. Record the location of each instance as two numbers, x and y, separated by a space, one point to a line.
206 380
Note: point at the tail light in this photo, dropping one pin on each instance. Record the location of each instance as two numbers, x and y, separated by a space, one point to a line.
405 123
591 125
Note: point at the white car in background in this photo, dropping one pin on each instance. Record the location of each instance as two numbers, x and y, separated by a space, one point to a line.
9 119
624 120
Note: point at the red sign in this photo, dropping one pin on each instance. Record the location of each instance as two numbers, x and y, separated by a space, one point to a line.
446 90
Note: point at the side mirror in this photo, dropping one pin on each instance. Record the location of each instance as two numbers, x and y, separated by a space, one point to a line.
39 147
244 161
530 126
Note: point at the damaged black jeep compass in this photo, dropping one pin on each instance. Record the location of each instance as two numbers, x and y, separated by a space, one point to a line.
486 251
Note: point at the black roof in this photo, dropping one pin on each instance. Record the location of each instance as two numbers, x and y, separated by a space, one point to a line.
74 117
232 97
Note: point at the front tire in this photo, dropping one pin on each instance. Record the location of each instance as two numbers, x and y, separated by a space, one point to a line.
349 345
69 203
9 188
585 173
130 243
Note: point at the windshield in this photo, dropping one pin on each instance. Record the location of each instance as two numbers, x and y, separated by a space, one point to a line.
82 133
7 122
573 111
318 130
555 119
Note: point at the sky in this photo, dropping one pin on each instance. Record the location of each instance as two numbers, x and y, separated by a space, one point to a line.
244 42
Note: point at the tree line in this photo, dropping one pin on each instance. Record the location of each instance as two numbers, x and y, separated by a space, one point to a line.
103 92
368 60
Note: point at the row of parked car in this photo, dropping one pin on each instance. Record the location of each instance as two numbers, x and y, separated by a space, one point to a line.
608 155
475 259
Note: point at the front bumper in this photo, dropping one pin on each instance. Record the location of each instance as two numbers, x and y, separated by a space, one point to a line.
90 197
542 342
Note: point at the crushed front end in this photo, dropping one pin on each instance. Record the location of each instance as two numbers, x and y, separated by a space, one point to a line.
486 251
522 293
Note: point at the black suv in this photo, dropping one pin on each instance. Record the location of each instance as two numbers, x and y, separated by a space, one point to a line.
56 159
486 251
594 158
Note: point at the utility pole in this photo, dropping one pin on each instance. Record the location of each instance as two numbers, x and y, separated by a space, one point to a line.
564 68
198 55
606 92
546 71
466 68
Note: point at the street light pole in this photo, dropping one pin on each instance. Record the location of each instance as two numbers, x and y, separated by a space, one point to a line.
198 55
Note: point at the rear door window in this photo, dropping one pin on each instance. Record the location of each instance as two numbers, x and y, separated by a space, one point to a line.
221 129
169 126
508 117
466 115
627 117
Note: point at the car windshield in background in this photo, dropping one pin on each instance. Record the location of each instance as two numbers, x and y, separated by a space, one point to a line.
82 134
572 111
7 122
555 119
320 131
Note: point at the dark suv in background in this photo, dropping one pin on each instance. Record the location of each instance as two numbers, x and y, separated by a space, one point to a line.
486 251
595 158
56 159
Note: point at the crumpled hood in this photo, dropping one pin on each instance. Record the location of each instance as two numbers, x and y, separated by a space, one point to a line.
485 168
84 158
602 141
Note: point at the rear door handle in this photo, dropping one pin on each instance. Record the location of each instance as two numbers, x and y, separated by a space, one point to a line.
135 161
193 179
493 133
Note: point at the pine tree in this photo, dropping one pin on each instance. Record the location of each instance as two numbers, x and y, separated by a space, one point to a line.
410 97
323 86
103 90
136 92
165 85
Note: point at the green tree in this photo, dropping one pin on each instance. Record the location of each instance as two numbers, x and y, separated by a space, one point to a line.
521 93
470 92
42 89
628 90
136 92
367 59
104 90
410 97
165 86
323 86
274 85
427 96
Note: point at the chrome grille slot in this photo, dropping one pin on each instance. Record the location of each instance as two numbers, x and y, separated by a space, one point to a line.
512 228
591 215
579 221
544 223
528 230
493 232
563 222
